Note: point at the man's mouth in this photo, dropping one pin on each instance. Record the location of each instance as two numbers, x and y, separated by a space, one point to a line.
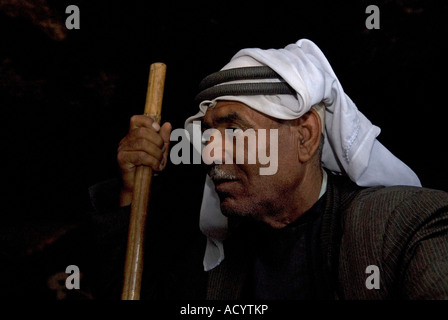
222 181
226 188
219 176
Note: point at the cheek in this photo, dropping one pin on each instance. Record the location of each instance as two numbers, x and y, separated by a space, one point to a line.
287 172
283 156
256 186
284 166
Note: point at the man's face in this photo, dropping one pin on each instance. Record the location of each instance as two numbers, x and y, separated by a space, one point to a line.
241 188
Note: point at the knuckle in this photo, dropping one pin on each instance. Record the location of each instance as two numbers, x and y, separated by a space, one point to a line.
134 119
122 143
143 138
141 144
149 160
121 158
140 157
159 141
140 132
144 159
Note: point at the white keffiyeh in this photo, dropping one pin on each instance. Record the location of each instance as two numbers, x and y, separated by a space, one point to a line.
350 147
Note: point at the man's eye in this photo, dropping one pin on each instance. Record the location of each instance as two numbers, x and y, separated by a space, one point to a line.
207 134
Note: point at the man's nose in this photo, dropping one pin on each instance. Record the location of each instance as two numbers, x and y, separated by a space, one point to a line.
216 150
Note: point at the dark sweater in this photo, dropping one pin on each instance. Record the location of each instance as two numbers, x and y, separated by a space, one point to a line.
401 230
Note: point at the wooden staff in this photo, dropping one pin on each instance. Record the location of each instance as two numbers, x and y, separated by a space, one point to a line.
140 198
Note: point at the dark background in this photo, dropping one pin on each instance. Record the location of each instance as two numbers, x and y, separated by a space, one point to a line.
67 95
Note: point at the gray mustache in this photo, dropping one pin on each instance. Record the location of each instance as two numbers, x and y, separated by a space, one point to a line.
216 173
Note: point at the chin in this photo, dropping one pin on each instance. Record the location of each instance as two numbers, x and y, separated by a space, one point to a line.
230 207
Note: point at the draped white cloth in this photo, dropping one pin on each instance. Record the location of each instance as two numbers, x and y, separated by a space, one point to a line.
350 147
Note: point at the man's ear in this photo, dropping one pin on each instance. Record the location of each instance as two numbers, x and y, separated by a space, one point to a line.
309 130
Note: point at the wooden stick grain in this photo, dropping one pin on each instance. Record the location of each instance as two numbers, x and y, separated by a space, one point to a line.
142 188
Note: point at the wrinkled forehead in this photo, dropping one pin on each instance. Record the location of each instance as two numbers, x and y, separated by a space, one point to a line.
235 112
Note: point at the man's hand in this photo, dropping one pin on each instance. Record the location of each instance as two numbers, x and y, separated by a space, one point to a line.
145 144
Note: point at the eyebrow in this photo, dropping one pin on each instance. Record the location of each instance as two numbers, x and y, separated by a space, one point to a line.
232 117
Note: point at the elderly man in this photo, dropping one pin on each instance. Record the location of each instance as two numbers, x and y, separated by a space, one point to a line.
341 217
